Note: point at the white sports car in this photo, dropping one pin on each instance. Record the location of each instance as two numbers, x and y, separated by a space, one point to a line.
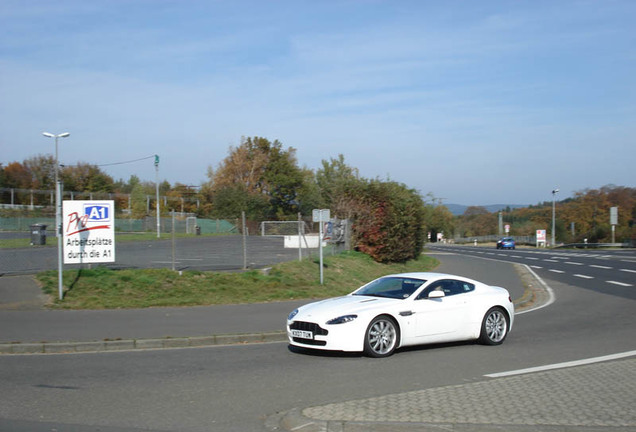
401 310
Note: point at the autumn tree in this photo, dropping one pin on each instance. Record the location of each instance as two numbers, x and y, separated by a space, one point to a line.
85 177
258 167
388 221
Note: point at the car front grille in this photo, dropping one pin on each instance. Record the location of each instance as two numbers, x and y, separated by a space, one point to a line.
307 326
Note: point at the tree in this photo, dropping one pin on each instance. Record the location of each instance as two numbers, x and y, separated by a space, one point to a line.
230 201
17 176
85 177
439 219
263 168
338 182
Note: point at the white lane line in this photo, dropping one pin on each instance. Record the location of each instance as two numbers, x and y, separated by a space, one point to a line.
628 270
537 267
584 276
546 287
573 263
556 271
629 261
515 256
550 260
601 267
620 283
563 365
532 258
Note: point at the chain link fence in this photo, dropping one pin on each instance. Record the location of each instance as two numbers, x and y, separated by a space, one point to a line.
185 243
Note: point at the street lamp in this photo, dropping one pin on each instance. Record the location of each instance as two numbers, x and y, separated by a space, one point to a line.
58 210
554 192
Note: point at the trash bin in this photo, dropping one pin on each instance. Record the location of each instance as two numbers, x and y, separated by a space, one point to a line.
38 234
197 229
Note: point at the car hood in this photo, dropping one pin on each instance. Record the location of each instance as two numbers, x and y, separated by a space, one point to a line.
325 310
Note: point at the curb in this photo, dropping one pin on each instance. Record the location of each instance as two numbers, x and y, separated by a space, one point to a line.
143 344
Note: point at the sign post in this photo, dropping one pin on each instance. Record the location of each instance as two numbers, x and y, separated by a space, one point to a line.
321 216
89 232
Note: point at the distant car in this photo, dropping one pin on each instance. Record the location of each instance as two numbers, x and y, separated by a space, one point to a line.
506 243
401 310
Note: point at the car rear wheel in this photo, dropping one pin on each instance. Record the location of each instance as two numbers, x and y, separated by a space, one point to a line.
381 337
494 327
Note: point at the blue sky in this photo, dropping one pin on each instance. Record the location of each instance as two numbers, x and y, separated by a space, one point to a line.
476 102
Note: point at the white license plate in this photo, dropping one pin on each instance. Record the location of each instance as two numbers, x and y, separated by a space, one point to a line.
302 334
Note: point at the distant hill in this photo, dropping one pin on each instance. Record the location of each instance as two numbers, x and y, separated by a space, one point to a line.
459 209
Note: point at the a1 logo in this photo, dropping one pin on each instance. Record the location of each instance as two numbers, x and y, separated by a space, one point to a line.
97 212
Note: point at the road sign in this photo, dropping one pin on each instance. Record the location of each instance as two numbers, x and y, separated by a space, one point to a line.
613 215
320 215
89 231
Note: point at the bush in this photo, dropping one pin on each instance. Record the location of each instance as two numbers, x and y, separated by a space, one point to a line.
388 222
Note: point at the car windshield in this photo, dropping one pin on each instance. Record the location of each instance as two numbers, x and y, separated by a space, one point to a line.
391 287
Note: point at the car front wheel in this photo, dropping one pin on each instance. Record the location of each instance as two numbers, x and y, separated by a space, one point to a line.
381 337
494 327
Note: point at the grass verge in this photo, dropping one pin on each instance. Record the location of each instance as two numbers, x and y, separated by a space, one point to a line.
102 288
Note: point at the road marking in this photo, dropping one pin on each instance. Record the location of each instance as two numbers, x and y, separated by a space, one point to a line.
601 267
537 267
584 276
563 365
546 287
620 283
515 256
556 271
573 263
533 258
550 260
628 270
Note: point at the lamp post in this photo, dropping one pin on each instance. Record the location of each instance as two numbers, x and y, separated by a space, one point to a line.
157 188
58 211
554 192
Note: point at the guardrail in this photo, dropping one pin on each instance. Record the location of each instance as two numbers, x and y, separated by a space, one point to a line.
594 245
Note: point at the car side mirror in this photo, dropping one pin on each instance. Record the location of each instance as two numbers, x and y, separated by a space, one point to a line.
436 294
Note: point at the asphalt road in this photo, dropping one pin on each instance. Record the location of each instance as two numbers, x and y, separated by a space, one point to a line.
606 271
191 253
235 388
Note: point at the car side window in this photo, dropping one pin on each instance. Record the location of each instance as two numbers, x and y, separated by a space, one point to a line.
449 287
437 286
458 287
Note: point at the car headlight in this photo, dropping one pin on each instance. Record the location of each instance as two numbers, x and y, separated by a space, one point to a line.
343 319
292 314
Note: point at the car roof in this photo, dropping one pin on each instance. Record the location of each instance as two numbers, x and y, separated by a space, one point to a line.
428 276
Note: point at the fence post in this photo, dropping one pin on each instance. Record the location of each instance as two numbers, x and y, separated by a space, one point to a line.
300 249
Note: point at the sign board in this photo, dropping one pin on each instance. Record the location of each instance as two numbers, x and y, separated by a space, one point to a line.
613 215
541 235
88 229
507 227
320 215
542 238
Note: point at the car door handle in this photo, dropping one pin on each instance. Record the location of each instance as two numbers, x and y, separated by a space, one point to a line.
406 313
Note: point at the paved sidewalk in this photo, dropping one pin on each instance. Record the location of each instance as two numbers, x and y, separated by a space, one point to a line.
592 398
27 327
